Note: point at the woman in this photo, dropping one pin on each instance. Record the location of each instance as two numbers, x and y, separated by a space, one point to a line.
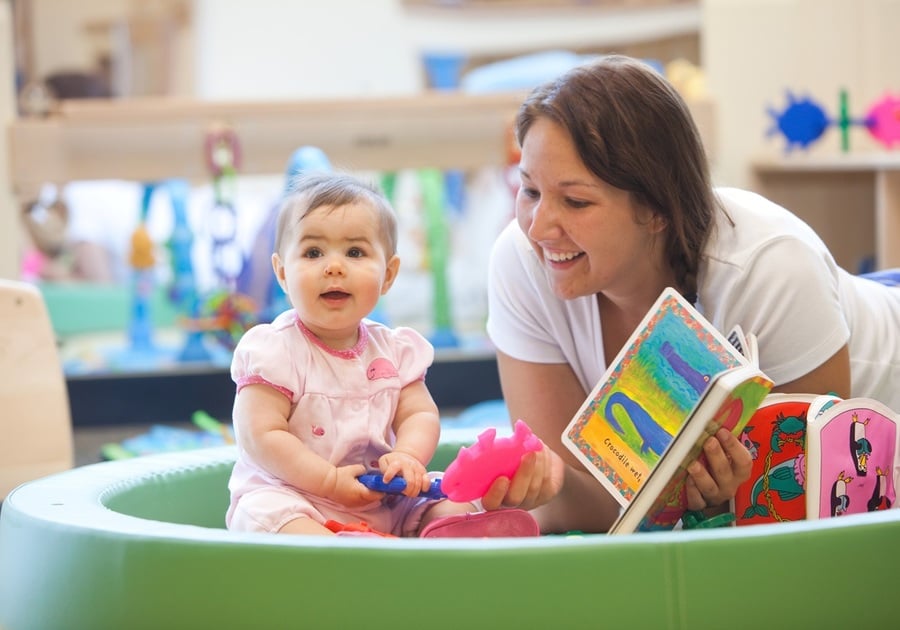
615 204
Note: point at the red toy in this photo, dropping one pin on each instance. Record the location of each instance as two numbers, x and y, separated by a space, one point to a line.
476 467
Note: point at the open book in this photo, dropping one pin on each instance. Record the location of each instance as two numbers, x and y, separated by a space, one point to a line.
776 439
852 458
676 381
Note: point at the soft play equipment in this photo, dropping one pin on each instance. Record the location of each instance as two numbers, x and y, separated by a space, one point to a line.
35 427
140 543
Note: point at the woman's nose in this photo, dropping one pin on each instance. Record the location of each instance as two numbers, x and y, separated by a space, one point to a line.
541 221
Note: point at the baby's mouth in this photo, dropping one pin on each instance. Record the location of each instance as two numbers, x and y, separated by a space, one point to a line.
335 295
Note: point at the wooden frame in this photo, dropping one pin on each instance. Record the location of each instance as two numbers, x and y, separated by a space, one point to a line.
151 139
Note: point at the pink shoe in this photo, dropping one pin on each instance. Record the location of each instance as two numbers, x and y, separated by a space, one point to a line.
512 523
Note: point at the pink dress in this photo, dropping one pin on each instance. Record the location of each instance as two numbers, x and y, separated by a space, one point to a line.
342 406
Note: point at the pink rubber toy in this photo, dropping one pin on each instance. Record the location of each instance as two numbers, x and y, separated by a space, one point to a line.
476 467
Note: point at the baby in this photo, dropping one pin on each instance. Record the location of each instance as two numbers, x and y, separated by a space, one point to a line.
325 395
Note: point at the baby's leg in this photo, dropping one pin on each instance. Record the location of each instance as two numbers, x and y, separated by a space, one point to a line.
306 526
277 510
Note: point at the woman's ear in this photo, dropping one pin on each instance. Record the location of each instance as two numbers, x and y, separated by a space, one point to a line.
390 273
658 223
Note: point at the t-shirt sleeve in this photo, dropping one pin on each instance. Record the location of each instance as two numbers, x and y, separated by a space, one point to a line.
789 296
414 355
518 321
262 356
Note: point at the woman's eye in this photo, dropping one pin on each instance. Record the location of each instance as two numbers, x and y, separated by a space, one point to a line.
531 193
577 203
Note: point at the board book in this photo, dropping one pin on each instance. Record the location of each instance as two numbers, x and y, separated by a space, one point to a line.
675 382
775 436
853 457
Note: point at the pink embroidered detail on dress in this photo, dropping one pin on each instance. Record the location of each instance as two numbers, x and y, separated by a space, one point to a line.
318 431
381 368
256 379
349 353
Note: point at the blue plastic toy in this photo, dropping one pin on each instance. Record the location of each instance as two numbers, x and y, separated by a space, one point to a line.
375 481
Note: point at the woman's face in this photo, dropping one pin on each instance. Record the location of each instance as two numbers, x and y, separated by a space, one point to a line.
590 236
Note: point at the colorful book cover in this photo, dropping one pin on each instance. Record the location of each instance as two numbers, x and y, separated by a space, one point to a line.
852 457
647 394
776 439
730 403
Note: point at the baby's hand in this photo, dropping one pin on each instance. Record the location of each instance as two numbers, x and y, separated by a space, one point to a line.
400 464
347 489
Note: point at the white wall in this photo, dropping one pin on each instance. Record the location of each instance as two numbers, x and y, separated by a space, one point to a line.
316 49
755 50
270 49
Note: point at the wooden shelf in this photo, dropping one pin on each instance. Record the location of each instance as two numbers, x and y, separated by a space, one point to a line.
152 139
851 200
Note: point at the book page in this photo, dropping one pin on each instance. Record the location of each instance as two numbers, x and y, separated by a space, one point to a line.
647 395
851 457
729 404
776 439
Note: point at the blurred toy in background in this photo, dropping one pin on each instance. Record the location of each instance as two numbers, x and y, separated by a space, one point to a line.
183 290
255 279
163 438
223 160
225 316
45 226
804 121
437 234
142 260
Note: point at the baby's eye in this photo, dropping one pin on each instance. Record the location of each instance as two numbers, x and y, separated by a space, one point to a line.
355 252
312 252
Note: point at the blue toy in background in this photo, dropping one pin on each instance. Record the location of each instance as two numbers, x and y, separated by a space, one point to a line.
183 292
142 259
256 279
166 439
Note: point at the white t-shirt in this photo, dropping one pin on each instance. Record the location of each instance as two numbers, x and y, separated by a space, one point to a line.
769 272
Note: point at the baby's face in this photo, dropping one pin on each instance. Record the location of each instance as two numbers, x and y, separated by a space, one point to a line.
334 267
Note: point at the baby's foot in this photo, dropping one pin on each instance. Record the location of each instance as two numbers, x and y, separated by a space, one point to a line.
512 523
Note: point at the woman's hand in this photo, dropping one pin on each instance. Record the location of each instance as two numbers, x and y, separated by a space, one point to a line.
728 464
402 464
538 479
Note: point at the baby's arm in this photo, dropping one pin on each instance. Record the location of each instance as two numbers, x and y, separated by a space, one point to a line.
261 427
418 428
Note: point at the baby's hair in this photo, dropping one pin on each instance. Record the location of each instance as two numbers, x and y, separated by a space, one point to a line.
310 190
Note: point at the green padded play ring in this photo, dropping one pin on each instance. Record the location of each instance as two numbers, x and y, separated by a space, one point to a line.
140 544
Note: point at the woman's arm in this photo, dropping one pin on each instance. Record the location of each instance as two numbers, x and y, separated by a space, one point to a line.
261 416
565 495
833 376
